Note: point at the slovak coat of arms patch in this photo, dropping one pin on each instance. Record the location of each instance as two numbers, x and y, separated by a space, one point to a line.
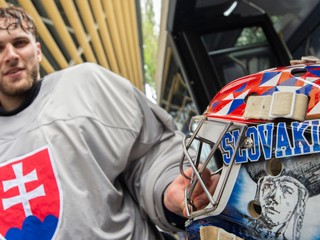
30 197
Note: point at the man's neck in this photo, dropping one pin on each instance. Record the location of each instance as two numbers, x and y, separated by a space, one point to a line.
12 105
9 103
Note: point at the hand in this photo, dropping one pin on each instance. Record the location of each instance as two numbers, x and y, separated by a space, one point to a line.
174 194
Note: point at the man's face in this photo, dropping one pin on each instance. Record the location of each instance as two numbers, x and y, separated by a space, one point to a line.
278 199
20 55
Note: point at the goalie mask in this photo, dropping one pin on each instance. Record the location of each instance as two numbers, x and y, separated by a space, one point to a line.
261 134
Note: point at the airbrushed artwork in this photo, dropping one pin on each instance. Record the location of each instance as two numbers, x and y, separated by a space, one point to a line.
261 134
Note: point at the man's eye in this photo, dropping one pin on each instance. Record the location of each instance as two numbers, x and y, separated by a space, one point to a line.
287 190
20 43
267 186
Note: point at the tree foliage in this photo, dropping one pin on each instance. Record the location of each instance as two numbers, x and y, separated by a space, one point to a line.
150 41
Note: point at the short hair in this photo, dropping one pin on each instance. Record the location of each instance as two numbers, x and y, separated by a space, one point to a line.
17 17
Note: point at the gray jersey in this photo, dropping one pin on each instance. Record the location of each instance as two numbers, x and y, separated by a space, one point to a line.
88 159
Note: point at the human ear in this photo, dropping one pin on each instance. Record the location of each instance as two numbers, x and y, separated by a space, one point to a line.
39 52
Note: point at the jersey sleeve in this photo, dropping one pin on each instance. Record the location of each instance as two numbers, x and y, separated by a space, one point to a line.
155 160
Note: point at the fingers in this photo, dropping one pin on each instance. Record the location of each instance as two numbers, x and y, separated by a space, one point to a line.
174 196
199 197
205 175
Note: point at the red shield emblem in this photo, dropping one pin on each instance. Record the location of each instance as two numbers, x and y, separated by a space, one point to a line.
30 197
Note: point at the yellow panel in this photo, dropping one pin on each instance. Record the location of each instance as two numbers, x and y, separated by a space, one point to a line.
61 28
113 27
105 35
138 57
135 40
130 41
44 33
75 22
88 20
3 3
46 65
118 9
130 22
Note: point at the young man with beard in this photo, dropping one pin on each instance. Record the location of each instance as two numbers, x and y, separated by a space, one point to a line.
84 155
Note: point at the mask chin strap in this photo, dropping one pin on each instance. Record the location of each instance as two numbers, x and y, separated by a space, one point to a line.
289 105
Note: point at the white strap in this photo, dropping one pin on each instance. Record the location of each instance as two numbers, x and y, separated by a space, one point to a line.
278 105
306 60
215 233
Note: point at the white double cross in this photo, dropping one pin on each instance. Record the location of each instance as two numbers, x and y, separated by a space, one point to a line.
23 197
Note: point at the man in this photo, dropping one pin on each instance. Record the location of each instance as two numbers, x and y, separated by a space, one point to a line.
84 155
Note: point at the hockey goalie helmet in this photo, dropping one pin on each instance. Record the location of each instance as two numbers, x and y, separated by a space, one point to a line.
261 134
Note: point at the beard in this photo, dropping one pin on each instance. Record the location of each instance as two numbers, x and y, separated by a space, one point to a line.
24 85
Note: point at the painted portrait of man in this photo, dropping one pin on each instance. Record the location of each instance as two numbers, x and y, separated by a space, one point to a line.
283 200
283 197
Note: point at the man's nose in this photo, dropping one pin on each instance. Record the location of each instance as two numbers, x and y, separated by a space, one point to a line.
10 54
277 196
